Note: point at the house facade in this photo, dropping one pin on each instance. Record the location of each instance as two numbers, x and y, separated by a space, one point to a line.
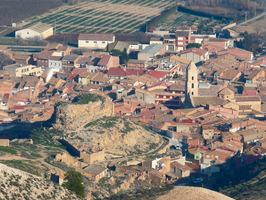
95 41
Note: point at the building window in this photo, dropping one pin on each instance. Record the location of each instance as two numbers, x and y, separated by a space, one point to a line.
28 33
192 85
192 93
103 42
192 78
216 157
164 97
95 41
207 156
157 96
51 63
87 41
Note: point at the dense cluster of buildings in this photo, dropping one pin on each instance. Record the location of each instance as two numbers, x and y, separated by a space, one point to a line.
209 102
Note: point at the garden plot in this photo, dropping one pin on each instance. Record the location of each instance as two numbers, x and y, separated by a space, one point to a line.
103 16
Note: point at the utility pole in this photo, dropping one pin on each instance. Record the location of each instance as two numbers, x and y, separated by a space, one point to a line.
255 8
246 15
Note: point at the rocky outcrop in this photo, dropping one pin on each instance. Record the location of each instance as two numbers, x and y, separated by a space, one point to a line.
192 193
118 136
71 117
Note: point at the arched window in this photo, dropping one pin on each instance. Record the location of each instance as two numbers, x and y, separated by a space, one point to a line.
192 93
192 78
192 86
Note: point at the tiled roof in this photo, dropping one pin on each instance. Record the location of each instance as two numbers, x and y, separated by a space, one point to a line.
226 91
104 60
210 91
197 101
79 71
197 51
96 37
118 72
52 46
229 75
137 72
247 98
253 74
180 59
157 74
83 60
45 55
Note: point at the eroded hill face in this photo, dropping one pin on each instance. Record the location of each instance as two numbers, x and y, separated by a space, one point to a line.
84 109
192 193
118 136
16 184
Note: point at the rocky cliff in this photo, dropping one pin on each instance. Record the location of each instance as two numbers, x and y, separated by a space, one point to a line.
192 193
74 116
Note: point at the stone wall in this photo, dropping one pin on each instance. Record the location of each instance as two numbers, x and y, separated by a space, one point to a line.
72 117
4 142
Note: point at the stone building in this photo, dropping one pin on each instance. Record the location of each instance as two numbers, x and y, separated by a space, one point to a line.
88 152
192 85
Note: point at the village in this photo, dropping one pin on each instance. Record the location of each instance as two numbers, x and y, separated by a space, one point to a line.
208 103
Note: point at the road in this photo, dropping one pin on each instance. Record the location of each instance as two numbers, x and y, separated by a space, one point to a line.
252 19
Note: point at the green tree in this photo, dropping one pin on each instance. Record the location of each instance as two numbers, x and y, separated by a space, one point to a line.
74 183
123 56
192 45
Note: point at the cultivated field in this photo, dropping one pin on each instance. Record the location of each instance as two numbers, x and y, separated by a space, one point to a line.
103 16
18 10
208 25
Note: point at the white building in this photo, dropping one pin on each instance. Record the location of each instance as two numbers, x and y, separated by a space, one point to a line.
55 63
95 41
39 30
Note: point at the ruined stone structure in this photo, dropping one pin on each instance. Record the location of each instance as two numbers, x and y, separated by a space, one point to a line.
4 142
88 152
74 116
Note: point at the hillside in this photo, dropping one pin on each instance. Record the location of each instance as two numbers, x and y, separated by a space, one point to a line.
89 118
16 184
118 136
192 193
248 182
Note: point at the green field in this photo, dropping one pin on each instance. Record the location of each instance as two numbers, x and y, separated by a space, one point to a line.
103 16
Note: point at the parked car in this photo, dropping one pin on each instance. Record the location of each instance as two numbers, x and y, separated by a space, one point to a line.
198 180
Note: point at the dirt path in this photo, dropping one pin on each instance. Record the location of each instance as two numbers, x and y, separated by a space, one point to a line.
38 160
162 144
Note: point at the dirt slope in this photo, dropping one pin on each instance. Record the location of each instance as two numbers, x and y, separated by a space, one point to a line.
193 193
